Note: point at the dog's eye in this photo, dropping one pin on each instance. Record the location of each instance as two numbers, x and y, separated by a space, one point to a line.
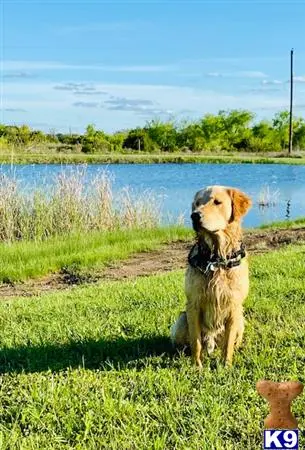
217 202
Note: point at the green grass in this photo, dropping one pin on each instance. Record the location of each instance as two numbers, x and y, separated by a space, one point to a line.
116 158
93 367
29 259
83 254
285 224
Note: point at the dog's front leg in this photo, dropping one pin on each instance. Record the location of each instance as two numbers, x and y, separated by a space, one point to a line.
240 332
231 331
193 319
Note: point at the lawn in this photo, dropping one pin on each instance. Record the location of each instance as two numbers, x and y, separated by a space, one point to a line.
92 368
85 253
284 225
30 259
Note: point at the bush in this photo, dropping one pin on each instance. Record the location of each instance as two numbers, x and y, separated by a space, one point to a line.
139 140
257 144
95 141
164 135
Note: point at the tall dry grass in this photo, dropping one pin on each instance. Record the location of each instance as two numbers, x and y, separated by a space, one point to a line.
72 204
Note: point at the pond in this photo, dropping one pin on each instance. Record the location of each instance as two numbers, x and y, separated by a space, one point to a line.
283 186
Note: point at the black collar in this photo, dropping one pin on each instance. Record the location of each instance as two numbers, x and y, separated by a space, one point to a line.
202 259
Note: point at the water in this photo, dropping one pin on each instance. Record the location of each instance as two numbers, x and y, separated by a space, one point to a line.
175 184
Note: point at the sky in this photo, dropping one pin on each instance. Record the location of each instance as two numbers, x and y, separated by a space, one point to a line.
118 64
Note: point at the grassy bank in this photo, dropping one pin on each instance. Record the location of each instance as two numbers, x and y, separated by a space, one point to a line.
83 253
162 158
284 224
77 253
93 368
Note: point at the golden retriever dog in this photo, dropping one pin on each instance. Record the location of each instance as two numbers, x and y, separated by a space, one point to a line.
217 280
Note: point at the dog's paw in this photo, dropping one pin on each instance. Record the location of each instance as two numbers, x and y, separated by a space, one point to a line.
198 365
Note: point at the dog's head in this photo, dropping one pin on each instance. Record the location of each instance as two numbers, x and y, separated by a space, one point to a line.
215 207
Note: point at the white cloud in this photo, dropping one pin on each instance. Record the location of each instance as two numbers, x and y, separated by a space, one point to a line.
299 79
87 93
57 65
214 74
70 86
13 110
141 107
251 74
83 89
86 104
264 90
158 68
131 104
17 75
237 59
122 101
238 74
271 82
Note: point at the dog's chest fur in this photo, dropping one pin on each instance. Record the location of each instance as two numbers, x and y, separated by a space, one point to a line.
214 310
215 300
219 295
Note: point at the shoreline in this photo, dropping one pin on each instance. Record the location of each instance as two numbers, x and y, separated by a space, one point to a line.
161 158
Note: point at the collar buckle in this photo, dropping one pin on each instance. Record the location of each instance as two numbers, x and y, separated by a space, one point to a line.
211 267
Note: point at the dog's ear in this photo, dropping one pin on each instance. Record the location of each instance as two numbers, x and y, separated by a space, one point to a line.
241 203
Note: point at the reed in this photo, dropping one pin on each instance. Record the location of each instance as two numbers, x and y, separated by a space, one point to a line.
268 198
72 204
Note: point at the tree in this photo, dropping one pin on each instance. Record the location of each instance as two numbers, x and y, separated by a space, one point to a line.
138 139
164 135
191 137
281 126
298 137
236 124
228 130
95 141
117 140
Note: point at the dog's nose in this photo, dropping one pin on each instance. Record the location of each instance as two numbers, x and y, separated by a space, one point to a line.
196 216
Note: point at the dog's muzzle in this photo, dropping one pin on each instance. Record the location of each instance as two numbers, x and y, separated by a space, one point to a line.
196 219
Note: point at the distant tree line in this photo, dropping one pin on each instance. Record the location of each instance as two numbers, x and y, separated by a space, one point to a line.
233 130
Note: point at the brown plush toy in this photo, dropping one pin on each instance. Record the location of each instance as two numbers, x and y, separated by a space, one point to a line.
280 396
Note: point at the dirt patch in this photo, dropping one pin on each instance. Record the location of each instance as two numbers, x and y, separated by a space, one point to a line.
263 241
174 256
169 257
